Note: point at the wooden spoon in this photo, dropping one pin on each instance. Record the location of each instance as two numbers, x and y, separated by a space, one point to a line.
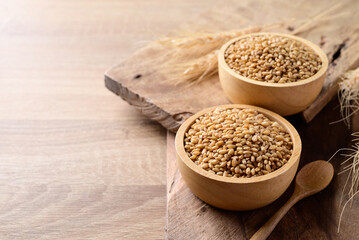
311 179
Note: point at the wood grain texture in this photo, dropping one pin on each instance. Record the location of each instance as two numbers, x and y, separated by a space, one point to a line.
139 81
315 217
75 161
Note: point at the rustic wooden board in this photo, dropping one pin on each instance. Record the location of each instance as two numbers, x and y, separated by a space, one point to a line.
315 217
138 80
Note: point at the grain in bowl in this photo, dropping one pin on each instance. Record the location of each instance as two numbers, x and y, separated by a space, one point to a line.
236 142
272 58
236 193
286 86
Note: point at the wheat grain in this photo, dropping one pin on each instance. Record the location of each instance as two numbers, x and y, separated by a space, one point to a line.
272 58
237 143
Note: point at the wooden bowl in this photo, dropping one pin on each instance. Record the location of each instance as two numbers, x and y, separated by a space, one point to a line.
237 193
283 98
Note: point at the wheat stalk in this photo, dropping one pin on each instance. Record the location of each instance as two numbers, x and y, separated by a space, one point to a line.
198 39
349 95
194 58
352 168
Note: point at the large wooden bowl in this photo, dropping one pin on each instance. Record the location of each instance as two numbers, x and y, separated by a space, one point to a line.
237 193
283 98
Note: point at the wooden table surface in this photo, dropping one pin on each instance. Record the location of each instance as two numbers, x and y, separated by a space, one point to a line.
76 162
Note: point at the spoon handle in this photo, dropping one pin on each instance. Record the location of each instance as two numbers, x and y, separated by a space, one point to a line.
268 227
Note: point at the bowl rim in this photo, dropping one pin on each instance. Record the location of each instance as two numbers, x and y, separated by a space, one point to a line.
308 43
297 146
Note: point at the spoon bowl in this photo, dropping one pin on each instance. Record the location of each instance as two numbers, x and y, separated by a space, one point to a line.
314 177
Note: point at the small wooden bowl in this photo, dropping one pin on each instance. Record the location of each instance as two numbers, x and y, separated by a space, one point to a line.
283 98
237 193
